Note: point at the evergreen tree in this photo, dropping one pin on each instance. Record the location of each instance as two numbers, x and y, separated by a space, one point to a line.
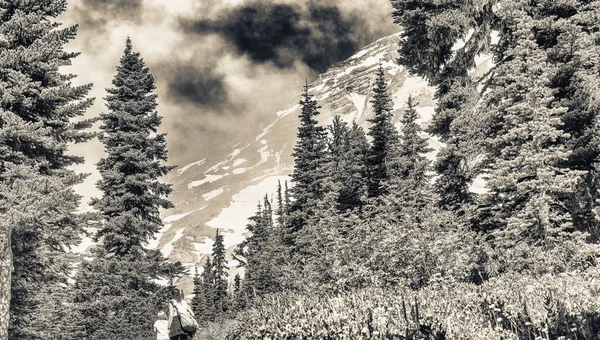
237 284
198 298
527 177
411 182
429 36
569 49
220 273
268 215
132 197
287 202
353 194
280 208
385 140
132 193
37 108
239 301
346 164
258 253
309 158
208 312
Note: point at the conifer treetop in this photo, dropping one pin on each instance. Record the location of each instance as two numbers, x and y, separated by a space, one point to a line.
132 192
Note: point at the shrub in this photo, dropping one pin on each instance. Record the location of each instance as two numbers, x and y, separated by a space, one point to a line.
509 307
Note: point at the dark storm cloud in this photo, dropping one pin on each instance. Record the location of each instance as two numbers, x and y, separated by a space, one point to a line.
316 33
198 86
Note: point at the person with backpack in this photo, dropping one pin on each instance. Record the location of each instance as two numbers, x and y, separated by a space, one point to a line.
182 322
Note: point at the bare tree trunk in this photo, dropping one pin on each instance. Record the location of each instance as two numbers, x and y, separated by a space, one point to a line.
5 281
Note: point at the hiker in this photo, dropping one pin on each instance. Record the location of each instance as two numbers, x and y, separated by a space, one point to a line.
182 322
161 326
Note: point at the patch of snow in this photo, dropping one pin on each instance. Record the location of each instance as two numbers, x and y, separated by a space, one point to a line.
392 68
264 155
216 166
359 102
153 243
413 86
168 248
263 141
182 170
161 282
426 114
85 243
256 179
369 62
239 171
232 155
461 42
204 248
173 218
319 87
239 162
266 130
479 185
226 168
288 111
435 144
495 37
207 179
360 54
210 195
242 206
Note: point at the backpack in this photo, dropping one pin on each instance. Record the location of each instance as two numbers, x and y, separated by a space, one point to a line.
188 322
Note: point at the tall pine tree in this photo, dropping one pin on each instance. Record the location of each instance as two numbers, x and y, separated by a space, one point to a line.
385 140
38 105
411 179
198 292
207 312
441 43
221 273
346 165
309 158
132 197
528 178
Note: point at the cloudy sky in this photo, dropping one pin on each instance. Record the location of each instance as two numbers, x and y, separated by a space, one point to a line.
223 67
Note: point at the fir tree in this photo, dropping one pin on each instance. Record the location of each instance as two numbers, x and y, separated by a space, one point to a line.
287 202
411 180
132 193
268 214
309 157
208 312
258 253
132 197
220 274
354 193
198 298
385 140
237 284
280 208
527 178
569 49
430 34
37 108
346 166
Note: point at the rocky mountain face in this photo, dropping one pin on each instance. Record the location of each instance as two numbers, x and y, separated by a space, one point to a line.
223 192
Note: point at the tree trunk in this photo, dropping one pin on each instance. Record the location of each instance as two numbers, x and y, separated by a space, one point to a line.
5 281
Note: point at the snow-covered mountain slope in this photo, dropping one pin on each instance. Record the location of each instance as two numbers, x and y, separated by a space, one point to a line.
223 192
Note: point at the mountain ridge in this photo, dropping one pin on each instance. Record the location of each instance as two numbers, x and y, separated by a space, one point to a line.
222 193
